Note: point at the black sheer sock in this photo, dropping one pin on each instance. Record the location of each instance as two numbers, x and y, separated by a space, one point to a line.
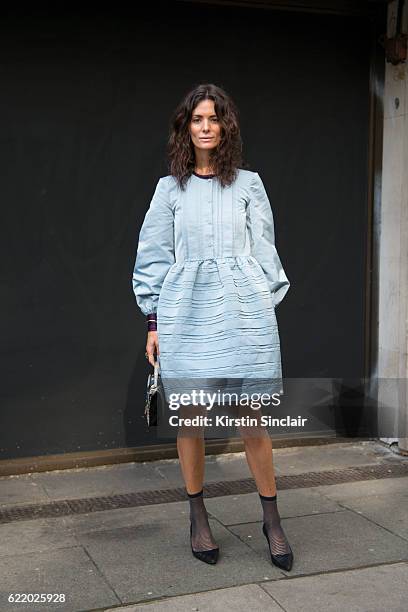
278 542
202 538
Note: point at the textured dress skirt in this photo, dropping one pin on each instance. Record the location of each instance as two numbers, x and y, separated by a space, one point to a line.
207 265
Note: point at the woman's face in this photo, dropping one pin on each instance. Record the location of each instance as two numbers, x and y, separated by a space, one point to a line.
205 129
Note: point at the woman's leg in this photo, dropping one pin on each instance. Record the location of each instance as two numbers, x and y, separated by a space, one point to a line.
259 454
191 452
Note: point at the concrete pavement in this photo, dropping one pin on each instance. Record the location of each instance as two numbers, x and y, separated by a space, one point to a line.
350 540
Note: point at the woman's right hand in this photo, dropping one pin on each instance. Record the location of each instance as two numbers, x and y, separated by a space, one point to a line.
152 346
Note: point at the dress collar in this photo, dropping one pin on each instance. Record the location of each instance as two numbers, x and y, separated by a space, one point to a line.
203 175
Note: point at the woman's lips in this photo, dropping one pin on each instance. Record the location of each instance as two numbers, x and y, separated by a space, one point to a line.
207 138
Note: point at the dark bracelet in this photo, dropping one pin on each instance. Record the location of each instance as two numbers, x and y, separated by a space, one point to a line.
151 320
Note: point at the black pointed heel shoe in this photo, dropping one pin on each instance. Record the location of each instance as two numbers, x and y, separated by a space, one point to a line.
208 556
285 562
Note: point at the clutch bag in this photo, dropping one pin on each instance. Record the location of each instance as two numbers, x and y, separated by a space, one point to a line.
154 397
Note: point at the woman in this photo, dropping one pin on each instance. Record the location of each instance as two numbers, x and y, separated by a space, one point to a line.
208 278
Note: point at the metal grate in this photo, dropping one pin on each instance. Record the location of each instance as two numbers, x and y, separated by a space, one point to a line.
214 489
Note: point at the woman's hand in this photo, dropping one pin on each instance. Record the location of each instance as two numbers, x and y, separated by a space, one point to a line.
152 345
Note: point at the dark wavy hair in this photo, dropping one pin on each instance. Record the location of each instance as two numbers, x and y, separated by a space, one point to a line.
226 158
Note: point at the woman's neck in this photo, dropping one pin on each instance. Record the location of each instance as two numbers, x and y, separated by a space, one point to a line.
203 169
202 162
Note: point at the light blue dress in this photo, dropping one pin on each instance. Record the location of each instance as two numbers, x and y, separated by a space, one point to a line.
207 264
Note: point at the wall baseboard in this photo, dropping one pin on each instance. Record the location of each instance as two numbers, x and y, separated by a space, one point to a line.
87 459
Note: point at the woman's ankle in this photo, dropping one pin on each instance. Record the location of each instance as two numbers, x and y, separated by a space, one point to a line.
198 493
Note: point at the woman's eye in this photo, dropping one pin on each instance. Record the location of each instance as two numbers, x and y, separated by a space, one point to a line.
197 119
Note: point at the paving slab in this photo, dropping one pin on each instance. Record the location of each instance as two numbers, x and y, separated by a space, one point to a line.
349 490
389 512
104 480
67 571
373 589
126 517
246 508
20 490
153 559
217 468
335 456
338 540
239 599
38 535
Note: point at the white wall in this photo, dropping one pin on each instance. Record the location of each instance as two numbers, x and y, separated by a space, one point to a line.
393 281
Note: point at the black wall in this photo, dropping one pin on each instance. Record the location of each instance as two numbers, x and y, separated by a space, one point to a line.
85 105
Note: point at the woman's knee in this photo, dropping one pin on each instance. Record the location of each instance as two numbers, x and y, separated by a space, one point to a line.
189 422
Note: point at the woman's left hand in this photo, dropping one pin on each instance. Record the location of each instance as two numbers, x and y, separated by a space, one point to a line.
152 346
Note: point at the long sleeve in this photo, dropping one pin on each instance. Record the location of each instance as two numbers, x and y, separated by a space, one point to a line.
261 229
155 251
